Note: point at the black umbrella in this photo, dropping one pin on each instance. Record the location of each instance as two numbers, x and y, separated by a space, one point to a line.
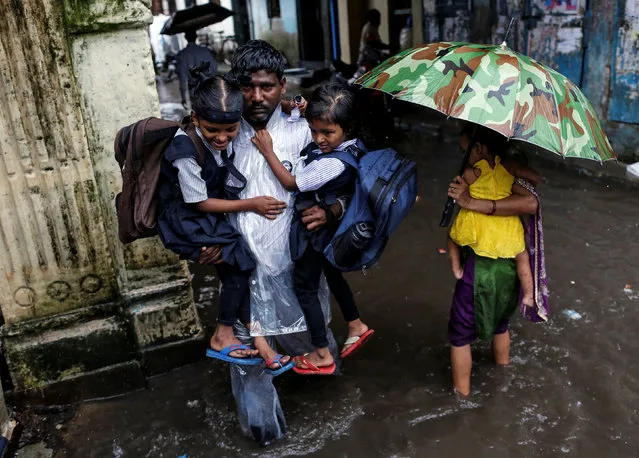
195 18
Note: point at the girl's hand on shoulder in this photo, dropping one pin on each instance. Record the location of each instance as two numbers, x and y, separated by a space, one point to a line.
268 207
262 139
302 106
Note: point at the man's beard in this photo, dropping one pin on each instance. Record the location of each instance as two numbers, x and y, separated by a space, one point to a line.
261 117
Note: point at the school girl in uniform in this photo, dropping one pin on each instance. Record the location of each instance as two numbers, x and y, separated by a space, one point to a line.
194 200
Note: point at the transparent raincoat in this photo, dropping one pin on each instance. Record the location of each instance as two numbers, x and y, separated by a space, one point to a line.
274 306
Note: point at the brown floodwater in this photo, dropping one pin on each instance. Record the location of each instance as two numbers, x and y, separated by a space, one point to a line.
572 388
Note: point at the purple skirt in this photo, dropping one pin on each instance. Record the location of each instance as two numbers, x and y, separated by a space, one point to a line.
484 299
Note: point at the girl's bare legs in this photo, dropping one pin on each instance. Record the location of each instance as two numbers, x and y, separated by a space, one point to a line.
462 363
501 348
525 278
267 353
454 255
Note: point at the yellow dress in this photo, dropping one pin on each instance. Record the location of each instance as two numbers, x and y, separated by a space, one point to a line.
489 235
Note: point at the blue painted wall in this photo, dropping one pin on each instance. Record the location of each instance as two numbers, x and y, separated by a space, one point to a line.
595 43
624 93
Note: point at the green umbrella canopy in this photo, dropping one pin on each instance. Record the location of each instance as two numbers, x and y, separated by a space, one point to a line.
500 89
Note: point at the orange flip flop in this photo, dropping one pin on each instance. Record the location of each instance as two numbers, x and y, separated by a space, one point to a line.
356 342
312 369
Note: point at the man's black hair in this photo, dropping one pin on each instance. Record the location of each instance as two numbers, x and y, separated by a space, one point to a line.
190 35
258 55
336 104
373 15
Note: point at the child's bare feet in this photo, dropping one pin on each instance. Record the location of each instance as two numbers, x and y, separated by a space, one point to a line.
223 337
528 300
356 328
458 271
321 357
268 354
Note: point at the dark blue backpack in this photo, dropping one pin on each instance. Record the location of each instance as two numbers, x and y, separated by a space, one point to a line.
385 191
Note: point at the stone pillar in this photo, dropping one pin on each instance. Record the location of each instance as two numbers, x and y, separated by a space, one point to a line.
85 316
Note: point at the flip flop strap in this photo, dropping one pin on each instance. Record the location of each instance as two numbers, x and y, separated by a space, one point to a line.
233 347
308 364
276 359
352 340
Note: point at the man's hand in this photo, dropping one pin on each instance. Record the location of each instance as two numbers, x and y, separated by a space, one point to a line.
289 104
315 217
458 190
211 255
262 139
302 106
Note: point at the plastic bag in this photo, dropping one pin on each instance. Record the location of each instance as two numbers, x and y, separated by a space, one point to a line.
274 306
258 405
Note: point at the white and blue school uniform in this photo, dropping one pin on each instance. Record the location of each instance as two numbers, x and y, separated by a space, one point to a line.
321 181
185 230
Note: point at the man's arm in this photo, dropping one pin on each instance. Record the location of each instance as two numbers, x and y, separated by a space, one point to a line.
521 202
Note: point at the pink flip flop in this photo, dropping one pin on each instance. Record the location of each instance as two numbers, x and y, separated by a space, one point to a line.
312 369
356 342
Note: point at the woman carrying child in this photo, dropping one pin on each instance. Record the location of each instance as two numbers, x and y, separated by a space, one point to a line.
491 236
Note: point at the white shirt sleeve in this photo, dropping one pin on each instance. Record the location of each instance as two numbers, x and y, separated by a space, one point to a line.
318 173
192 185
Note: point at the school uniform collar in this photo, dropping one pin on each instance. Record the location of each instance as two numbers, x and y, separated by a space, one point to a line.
343 147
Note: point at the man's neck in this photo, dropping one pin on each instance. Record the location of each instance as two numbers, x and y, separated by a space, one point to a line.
264 124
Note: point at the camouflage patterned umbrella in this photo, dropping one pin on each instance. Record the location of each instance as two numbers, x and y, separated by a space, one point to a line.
497 88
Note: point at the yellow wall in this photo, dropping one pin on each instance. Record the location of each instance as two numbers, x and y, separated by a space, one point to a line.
382 6
352 17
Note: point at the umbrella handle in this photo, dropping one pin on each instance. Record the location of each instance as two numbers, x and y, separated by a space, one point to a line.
447 214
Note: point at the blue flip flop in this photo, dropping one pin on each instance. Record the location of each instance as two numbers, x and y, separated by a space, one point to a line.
283 367
224 355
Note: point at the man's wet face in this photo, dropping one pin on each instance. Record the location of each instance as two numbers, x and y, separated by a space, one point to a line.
262 96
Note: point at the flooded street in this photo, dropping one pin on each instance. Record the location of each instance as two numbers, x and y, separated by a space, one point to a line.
572 388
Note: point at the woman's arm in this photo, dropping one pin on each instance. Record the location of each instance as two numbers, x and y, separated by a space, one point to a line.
521 202
521 171
264 143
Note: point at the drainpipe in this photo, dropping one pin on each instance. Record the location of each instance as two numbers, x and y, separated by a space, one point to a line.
335 44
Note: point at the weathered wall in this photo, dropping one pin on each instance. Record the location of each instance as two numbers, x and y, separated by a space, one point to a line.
55 254
82 310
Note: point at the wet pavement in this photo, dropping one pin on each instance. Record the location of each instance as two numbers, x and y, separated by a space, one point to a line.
572 388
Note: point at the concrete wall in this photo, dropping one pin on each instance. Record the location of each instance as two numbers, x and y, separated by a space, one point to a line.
82 311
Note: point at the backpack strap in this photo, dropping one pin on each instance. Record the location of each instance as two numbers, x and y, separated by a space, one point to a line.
233 191
343 156
188 127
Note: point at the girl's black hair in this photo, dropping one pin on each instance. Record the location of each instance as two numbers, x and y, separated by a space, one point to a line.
213 93
496 143
257 55
334 103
